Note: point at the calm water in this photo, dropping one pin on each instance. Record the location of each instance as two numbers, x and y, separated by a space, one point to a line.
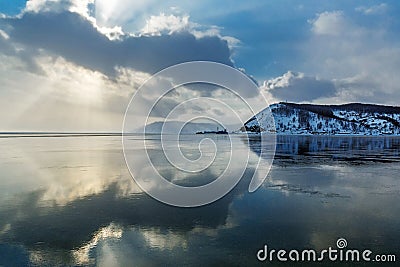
71 201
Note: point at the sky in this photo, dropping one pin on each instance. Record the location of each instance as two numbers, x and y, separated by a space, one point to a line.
73 65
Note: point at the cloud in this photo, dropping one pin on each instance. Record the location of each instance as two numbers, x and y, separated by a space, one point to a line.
79 78
329 23
75 38
170 24
78 6
163 24
133 14
47 5
373 10
63 97
4 35
362 61
293 86
119 12
160 18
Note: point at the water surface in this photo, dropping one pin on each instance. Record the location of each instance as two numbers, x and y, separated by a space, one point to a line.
71 201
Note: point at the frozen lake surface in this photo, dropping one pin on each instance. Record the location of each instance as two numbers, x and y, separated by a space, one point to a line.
71 201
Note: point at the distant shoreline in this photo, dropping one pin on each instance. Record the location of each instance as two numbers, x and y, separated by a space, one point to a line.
53 134
77 134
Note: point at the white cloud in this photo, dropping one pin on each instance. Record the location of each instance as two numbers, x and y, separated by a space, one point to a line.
119 12
169 24
81 7
329 23
283 81
373 10
40 5
78 6
203 31
137 18
115 33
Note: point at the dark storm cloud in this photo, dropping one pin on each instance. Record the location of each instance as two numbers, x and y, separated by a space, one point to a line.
73 37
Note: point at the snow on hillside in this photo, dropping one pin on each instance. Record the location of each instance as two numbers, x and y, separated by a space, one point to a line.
357 119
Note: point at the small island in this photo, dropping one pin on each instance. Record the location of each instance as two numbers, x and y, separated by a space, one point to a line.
224 131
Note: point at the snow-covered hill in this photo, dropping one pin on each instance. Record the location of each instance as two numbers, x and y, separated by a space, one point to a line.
357 119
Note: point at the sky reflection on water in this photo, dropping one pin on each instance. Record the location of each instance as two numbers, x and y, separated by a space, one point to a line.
71 201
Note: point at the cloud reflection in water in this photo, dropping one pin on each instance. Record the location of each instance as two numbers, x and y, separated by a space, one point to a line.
71 201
